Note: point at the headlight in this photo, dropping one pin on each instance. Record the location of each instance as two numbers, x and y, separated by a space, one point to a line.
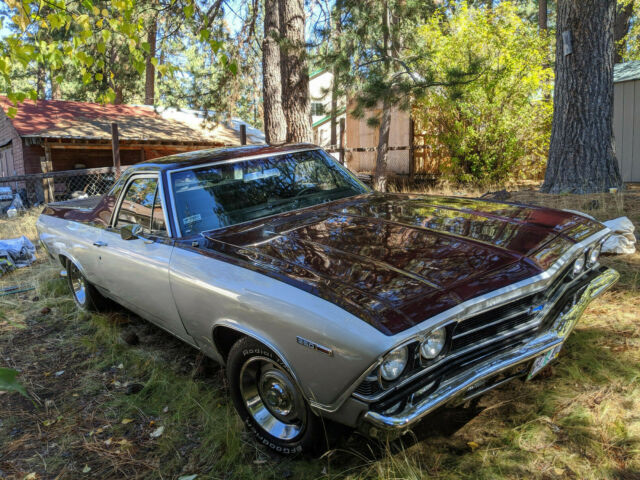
432 346
578 266
394 363
594 255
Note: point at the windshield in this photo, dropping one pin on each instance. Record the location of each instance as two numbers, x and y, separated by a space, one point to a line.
226 194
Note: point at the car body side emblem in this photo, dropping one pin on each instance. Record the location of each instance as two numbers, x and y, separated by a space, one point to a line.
314 346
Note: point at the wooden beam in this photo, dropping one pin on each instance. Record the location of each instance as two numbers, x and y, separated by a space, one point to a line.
46 165
115 147
243 134
130 146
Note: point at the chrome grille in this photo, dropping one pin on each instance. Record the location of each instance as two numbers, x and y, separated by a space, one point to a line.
515 317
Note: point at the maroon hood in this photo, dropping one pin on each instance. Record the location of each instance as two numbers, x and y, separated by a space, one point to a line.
396 260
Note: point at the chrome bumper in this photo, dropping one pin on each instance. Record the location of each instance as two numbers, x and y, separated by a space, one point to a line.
456 386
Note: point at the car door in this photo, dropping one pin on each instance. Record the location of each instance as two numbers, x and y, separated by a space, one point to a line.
136 272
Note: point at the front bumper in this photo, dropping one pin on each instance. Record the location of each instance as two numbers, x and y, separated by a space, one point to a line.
457 386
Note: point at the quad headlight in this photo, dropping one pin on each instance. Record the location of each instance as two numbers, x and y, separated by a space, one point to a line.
578 266
394 363
594 255
433 345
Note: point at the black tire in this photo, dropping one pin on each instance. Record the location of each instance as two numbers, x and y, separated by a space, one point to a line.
306 433
84 294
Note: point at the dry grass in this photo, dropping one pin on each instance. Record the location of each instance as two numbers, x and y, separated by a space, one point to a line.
579 421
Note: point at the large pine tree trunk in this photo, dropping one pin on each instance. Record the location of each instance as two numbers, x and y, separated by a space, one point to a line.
150 70
581 154
621 28
275 125
295 72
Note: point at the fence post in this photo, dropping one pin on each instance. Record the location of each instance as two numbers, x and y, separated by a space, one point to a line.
46 166
412 160
341 147
243 134
115 147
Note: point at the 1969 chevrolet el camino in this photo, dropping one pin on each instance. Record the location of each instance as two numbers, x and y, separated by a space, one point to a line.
326 300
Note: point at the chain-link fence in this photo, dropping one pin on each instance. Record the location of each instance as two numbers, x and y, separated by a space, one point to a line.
38 188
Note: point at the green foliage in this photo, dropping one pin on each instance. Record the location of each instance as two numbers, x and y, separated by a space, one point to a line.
8 382
97 50
497 124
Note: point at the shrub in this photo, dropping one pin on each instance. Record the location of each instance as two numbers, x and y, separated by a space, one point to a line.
497 124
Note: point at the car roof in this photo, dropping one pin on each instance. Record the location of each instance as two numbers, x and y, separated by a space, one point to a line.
213 155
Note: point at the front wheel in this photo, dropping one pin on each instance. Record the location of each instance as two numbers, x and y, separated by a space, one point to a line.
269 401
84 294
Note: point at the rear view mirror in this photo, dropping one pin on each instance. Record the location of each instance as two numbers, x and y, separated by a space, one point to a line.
130 232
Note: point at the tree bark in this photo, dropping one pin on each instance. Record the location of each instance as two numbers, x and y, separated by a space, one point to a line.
150 70
581 154
543 17
334 108
380 175
275 124
56 94
295 72
621 29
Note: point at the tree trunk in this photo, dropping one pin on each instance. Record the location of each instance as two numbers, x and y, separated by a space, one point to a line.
275 125
41 78
334 108
581 154
295 72
119 98
543 17
621 28
380 177
150 71
56 94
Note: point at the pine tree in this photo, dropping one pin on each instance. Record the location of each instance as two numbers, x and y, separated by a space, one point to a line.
581 154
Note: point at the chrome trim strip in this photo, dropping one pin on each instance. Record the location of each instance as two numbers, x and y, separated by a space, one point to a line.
459 384
477 305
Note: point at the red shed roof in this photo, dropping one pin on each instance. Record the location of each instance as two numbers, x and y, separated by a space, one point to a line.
34 117
92 121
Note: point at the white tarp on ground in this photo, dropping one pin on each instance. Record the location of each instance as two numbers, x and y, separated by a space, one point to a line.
623 241
16 252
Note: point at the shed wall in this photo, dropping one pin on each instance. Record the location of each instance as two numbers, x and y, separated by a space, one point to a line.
626 128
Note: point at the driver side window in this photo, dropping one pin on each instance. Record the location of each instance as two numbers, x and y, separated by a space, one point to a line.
137 205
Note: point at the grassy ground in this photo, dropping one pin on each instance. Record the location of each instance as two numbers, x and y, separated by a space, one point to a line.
103 408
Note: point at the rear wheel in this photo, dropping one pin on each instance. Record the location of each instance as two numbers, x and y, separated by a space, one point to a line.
84 294
269 401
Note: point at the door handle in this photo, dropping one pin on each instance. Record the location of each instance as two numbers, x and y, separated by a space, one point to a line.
100 243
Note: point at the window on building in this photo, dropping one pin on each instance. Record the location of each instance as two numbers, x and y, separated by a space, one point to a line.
317 108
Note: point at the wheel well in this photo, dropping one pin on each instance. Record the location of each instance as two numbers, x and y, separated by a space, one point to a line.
63 260
224 338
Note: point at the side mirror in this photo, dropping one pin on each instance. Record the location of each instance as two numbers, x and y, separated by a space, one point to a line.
130 232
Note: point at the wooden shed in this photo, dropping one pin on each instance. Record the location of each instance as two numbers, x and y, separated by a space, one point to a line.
626 119
56 135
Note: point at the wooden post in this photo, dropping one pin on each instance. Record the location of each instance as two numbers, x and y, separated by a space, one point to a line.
243 134
412 160
341 147
142 155
46 166
115 146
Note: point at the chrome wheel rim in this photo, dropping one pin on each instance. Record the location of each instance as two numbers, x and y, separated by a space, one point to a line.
272 399
78 285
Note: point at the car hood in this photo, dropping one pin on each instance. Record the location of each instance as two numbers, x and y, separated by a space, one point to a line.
395 260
